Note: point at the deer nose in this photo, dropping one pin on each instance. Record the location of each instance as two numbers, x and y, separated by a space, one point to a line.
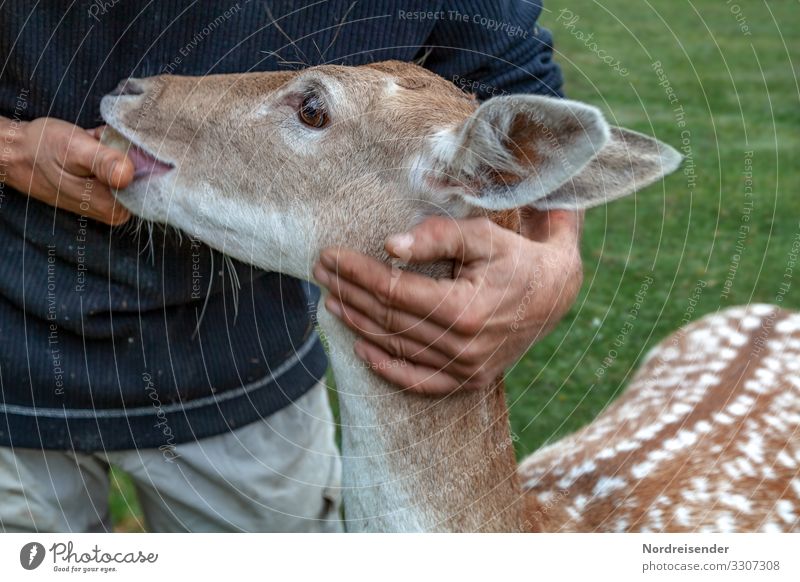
128 86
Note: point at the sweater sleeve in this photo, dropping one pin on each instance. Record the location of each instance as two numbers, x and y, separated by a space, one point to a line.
493 47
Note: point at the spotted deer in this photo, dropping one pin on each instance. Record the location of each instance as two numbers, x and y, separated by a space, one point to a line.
269 168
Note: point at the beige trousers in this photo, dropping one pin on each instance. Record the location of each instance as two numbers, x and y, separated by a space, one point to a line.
278 474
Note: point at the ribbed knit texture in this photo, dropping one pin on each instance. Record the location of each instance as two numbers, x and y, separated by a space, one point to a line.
98 348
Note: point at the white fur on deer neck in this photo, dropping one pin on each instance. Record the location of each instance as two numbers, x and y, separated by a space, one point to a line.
419 464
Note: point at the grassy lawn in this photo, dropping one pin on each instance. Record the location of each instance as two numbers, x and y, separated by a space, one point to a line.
677 245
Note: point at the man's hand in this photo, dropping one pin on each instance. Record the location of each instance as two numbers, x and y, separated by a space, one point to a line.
435 336
66 166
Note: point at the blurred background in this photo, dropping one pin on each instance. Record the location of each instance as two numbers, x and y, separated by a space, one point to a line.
716 79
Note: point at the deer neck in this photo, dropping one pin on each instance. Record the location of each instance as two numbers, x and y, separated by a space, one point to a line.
413 463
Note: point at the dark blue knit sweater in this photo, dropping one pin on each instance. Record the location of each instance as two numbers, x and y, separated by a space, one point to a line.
98 348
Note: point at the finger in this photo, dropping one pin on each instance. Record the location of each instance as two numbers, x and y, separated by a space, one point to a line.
392 320
416 378
85 154
89 197
97 132
399 346
439 238
441 300
550 225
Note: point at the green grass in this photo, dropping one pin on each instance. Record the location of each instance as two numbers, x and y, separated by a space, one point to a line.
739 94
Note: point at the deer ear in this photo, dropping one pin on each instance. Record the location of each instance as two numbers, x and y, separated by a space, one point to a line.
545 152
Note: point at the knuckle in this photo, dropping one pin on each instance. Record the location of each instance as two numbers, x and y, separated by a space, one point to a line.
396 346
469 322
387 318
473 355
483 226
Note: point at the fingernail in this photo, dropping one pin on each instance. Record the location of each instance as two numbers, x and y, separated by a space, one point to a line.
333 306
401 243
321 274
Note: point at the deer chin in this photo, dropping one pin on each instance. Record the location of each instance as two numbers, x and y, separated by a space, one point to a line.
148 193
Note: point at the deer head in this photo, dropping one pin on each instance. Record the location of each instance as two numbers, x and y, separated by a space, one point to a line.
271 167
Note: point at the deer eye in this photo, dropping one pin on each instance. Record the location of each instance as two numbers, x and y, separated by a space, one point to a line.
312 112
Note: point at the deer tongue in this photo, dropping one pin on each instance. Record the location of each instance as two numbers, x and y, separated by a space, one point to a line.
146 165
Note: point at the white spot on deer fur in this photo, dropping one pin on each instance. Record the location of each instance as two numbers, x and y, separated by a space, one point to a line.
738 501
656 515
775 422
642 470
754 447
785 511
731 471
726 523
754 386
788 325
727 353
795 484
628 445
737 409
717 365
750 322
746 467
761 309
686 438
683 516
707 380
669 353
722 418
736 339
786 460
647 432
703 426
606 453
607 485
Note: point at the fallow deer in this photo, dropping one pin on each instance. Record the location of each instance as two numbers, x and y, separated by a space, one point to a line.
269 168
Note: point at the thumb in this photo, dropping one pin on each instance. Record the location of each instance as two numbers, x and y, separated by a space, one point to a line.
113 168
439 238
110 166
